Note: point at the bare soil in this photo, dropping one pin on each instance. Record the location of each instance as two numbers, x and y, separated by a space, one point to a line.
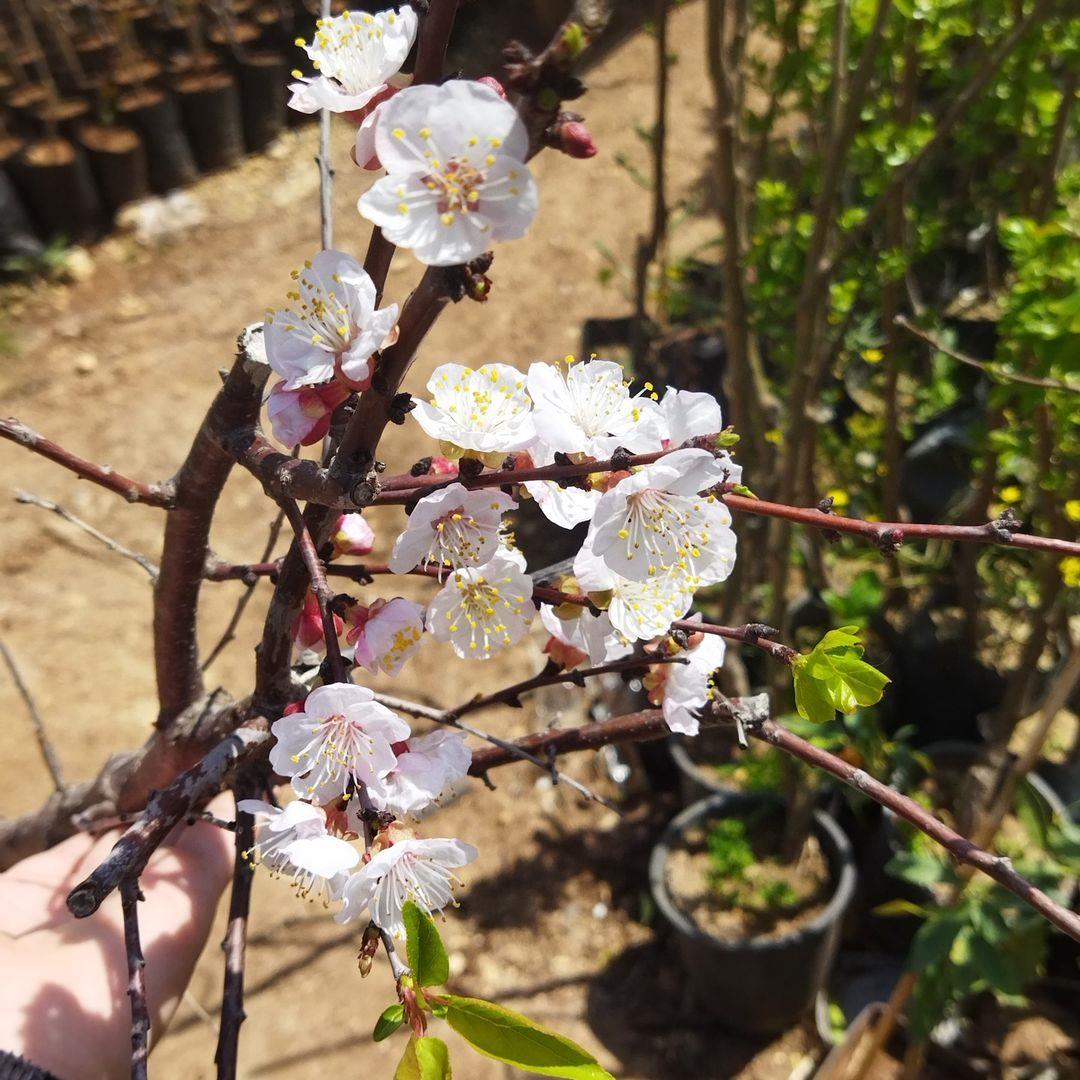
120 366
737 910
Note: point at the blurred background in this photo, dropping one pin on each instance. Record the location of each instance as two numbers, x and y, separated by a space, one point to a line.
853 221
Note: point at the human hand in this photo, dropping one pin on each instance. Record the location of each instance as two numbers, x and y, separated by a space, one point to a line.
63 998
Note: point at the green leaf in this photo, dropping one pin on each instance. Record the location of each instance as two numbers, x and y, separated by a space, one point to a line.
933 941
899 907
811 703
393 1016
424 1059
514 1039
427 955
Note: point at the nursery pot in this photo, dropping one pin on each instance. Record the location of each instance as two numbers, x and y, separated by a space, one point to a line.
141 71
54 179
95 54
117 159
697 780
25 100
263 77
64 116
758 985
154 115
211 110
17 237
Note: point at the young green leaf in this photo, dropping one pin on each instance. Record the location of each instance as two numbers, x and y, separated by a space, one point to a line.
514 1039
934 941
424 948
424 1059
393 1016
810 702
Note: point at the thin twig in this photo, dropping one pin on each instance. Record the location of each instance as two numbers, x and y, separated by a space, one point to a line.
48 752
160 494
27 499
246 595
235 942
130 895
323 593
991 369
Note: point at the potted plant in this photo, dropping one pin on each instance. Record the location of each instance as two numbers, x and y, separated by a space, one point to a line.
757 935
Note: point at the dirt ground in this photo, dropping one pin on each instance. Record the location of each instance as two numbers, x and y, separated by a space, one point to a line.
120 367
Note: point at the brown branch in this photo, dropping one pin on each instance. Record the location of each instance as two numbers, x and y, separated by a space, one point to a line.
991 369
890 534
199 484
245 598
27 499
130 895
649 724
48 752
994 866
166 809
160 494
235 941
124 782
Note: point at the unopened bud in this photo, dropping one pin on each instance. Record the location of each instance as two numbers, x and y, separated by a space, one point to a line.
576 140
495 85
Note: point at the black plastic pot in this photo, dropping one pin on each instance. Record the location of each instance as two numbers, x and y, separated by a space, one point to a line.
756 986
17 237
54 180
64 117
154 115
698 781
210 107
95 55
118 162
24 101
263 78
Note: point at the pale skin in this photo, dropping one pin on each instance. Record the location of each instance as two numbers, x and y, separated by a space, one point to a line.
63 1002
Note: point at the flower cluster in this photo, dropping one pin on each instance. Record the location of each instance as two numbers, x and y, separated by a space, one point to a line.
455 180
342 751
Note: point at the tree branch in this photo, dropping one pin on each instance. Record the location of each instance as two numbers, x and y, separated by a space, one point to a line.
48 752
130 895
159 494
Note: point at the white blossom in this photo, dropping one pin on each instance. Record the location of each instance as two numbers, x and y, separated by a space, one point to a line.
342 738
689 414
427 767
590 634
482 609
563 506
456 175
485 410
588 409
452 527
354 54
293 841
385 634
418 870
333 327
655 521
637 610
688 688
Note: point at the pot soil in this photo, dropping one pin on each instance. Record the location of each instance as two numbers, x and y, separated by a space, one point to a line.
26 100
210 107
55 182
755 971
118 162
263 77
64 116
232 42
138 73
154 114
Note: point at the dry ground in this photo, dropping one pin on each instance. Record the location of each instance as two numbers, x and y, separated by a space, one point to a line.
120 367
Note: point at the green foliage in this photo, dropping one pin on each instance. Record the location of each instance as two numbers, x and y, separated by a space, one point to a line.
730 851
494 1031
862 598
424 1059
427 956
509 1037
834 677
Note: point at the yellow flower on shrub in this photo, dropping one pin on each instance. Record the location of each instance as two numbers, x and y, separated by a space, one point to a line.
1072 509
1011 494
1070 571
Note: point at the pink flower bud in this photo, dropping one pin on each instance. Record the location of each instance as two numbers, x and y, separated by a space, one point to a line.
495 85
307 627
352 535
576 140
303 416
441 466
293 707
565 655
